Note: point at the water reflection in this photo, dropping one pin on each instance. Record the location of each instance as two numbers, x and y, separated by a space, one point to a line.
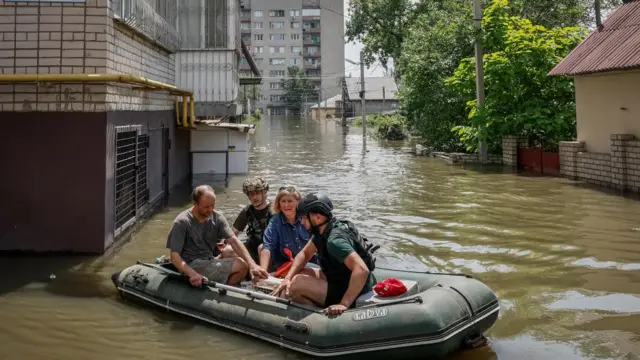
564 259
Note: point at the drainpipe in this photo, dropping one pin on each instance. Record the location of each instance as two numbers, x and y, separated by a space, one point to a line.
185 104
193 118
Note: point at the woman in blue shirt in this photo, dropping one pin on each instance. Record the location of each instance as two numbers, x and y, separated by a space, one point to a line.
285 230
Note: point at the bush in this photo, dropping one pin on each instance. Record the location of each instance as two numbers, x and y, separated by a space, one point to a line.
386 126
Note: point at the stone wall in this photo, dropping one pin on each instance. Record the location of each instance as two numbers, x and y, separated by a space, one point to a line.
620 169
75 38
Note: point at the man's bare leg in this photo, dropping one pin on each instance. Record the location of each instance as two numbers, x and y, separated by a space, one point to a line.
239 270
309 288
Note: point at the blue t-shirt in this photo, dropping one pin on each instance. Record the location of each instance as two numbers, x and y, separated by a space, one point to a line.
281 234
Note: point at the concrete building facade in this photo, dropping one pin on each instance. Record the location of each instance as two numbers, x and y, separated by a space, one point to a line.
285 33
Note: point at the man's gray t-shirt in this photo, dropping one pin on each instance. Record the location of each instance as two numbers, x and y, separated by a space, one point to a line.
195 240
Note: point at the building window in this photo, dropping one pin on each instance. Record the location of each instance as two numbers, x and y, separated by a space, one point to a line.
276 13
258 13
190 23
257 36
276 61
245 25
245 13
295 36
294 13
258 61
295 61
295 25
310 12
276 73
276 36
276 25
258 49
311 25
276 49
277 98
274 86
257 25
296 50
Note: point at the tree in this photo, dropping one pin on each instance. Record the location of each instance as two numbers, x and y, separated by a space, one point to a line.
436 43
520 98
297 88
381 26
253 92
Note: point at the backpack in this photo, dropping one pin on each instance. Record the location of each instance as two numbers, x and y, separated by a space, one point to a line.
364 247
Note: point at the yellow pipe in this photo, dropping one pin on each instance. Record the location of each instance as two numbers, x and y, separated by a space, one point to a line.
193 112
150 85
184 110
119 78
175 100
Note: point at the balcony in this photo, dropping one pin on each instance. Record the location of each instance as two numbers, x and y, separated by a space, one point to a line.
315 66
245 16
245 30
312 55
315 30
311 41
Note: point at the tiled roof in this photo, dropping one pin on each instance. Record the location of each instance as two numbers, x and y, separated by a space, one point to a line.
616 46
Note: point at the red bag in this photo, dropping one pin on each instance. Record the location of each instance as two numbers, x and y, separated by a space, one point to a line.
390 287
284 268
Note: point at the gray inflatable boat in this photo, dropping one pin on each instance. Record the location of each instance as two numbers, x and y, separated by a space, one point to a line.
437 315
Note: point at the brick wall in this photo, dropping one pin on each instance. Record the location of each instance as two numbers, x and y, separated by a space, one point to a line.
510 146
620 169
73 38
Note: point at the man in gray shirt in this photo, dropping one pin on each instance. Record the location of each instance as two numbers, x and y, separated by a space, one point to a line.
193 241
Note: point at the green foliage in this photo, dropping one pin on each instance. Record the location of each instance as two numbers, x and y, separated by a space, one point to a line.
385 126
381 26
253 118
297 88
428 40
520 99
253 92
435 44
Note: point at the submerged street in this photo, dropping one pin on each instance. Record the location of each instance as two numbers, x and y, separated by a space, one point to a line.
563 259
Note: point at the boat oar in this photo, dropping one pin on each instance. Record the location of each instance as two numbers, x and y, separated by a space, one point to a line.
249 293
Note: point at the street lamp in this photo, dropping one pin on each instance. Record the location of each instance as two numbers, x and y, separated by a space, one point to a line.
364 118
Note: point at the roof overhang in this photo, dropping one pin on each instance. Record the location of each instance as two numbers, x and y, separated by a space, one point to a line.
252 63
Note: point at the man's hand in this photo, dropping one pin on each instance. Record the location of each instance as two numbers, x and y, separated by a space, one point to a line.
335 309
282 289
196 279
258 273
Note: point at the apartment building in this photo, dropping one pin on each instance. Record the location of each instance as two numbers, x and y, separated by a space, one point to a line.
97 106
308 34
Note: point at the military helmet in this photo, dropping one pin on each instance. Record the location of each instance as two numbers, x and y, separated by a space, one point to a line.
255 184
320 204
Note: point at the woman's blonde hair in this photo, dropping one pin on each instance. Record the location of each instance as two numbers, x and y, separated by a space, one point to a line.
282 192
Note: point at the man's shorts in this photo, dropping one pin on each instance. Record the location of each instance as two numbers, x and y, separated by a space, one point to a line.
217 270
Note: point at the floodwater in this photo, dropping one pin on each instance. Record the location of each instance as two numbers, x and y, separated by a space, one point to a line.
564 259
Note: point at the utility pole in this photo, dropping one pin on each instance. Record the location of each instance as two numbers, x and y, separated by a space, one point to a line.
477 19
318 112
383 98
345 95
364 116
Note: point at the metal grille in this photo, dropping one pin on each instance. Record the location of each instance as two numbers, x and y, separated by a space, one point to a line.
125 177
142 192
131 185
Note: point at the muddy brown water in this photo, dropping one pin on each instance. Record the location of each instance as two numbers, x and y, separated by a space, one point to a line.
563 259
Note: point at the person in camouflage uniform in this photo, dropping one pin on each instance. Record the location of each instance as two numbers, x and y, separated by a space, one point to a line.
255 216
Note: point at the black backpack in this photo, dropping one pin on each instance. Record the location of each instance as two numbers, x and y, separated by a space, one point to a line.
364 247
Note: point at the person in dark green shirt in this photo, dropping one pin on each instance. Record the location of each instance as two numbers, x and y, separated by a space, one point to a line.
344 272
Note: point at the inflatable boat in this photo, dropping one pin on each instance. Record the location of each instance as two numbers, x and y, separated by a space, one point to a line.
437 315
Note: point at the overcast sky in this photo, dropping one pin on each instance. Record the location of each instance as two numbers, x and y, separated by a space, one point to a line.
352 52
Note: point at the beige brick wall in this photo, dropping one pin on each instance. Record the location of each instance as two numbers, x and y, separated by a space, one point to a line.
510 146
68 38
620 169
